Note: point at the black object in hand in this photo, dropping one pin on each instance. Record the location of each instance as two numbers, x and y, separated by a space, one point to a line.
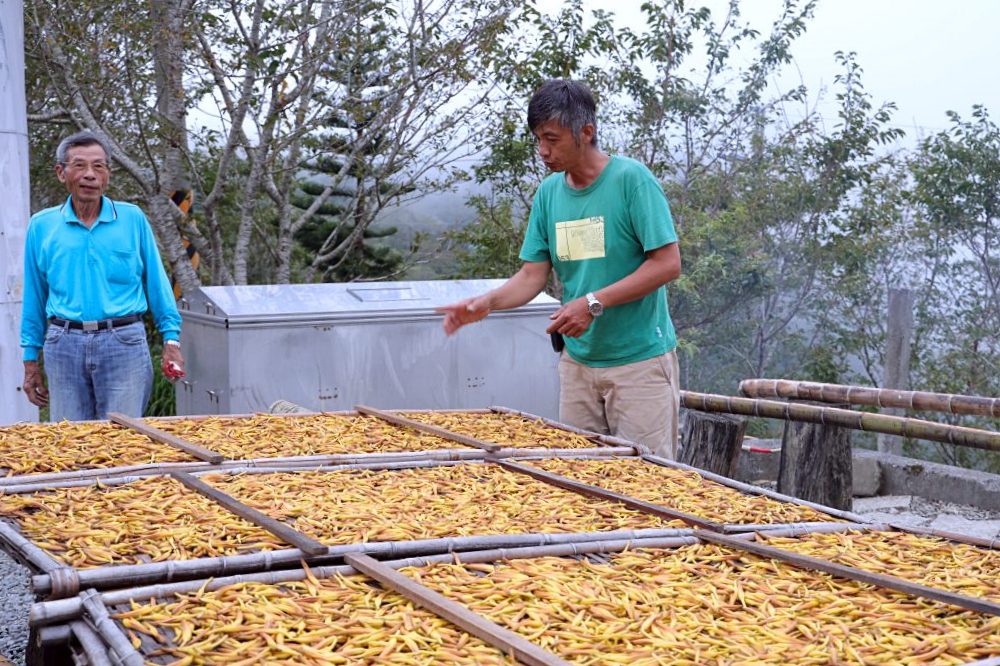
557 342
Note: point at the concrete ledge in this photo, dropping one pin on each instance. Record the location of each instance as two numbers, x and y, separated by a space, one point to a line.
877 473
866 473
945 483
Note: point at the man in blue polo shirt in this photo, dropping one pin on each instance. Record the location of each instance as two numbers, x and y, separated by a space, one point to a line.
91 270
603 224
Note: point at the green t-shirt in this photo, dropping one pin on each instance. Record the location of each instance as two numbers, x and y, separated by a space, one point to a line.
597 236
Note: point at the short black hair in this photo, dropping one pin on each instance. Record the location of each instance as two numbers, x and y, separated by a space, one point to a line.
84 138
569 102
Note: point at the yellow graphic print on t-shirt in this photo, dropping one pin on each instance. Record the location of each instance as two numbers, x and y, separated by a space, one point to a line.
580 239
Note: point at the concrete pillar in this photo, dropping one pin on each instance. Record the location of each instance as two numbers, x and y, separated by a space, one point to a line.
899 334
14 212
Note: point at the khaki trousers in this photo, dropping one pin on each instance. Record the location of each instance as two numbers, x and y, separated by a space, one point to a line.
638 402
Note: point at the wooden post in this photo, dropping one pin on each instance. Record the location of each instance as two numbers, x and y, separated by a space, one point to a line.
712 441
816 464
899 330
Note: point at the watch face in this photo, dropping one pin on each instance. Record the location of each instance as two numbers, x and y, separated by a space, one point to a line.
596 308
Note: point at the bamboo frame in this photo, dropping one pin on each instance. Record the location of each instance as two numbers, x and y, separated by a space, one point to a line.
602 493
291 536
94 649
503 639
65 610
852 573
13 484
805 530
396 419
48 613
757 490
158 435
917 401
106 628
846 418
607 440
124 575
24 551
603 547
132 574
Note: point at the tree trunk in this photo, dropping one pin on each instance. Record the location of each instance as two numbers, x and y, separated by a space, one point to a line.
816 464
168 65
712 441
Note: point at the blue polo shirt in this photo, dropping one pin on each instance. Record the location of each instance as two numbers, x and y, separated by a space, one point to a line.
111 270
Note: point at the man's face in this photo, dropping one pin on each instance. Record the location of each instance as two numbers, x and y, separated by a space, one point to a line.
557 146
85 173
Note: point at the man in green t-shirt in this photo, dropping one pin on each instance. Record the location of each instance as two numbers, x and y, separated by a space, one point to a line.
603 223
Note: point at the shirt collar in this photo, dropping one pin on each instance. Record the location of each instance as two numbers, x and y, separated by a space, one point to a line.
108 211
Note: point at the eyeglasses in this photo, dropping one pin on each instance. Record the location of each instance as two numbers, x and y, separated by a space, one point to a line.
82 165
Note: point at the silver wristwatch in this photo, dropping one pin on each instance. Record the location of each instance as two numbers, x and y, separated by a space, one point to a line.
595 307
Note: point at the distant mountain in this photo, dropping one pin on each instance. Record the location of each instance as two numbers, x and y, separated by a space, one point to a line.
431 217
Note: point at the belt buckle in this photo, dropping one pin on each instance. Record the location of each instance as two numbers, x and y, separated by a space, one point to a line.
90 326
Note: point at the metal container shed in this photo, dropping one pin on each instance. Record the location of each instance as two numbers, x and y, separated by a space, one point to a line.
332 346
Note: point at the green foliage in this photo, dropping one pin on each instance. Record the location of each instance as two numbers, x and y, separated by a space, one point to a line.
488 247
162 400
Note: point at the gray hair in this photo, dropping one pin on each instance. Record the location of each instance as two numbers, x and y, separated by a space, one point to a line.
84 138
569 102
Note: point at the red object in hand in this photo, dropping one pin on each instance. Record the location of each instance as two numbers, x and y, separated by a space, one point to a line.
173 371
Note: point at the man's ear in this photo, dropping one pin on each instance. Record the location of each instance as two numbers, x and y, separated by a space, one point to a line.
587 133
60 173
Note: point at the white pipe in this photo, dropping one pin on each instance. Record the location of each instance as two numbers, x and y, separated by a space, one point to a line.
14 212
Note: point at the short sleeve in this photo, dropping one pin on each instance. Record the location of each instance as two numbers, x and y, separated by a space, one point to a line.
650 215
536 239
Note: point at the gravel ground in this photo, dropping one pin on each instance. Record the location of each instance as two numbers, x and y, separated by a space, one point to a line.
15 601
913 511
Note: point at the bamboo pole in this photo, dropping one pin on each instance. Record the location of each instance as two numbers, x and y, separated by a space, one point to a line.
107 629
992 544
14 483
948 403
26 551
602 547
93 647
158 572
891 425
792 531
46 613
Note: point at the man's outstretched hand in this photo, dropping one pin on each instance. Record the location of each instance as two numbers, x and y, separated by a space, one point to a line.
466 311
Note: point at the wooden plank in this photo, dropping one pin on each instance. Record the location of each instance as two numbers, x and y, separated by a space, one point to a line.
305 543
158 435
605 494
852 573
396 419
503 639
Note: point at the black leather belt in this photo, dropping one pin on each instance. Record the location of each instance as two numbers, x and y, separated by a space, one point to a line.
102 325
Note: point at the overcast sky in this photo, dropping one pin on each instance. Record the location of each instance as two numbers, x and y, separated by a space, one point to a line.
927 56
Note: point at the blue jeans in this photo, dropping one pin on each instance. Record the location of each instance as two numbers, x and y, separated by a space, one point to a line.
91 373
